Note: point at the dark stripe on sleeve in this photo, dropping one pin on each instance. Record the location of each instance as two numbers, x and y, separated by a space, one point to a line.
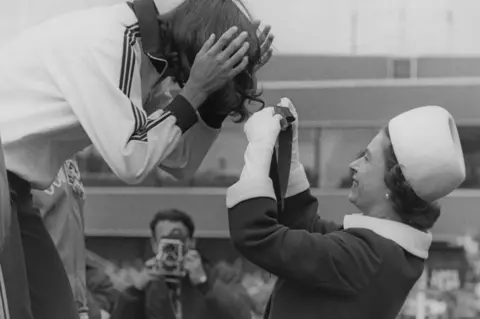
185 115
128 58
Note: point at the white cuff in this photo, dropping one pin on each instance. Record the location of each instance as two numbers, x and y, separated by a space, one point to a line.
297 181
248 188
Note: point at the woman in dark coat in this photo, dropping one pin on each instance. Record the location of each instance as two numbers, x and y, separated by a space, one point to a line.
366 267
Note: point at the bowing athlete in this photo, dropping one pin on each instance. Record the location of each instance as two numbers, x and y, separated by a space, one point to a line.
88 77
365 268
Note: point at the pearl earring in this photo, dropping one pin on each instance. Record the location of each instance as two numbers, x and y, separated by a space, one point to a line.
387 195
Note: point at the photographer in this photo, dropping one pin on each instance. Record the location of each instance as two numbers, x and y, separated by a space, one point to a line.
198 294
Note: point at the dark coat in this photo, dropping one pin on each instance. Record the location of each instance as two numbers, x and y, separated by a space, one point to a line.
324 270
214 299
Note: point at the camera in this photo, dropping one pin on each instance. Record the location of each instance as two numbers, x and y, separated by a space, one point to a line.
170 257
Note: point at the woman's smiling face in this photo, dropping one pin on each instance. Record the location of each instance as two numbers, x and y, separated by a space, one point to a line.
368 188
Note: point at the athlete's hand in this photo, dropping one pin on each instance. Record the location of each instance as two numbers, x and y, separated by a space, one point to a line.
217 63
266 40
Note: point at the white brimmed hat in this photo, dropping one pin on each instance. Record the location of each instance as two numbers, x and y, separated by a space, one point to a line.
426 143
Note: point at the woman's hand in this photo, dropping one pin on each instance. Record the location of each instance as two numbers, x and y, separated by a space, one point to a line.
286 102
263 127
262 130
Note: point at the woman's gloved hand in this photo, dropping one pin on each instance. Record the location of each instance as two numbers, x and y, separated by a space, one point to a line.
298 181
263 127
262 130
286 102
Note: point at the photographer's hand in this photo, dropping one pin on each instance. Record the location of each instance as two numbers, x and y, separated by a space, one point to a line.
194 267
216 64
151 272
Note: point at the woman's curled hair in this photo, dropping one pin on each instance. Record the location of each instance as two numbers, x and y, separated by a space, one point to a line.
413 210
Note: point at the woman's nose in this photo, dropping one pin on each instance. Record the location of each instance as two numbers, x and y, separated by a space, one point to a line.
353 165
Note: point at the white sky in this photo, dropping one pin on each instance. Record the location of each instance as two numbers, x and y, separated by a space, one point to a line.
323 26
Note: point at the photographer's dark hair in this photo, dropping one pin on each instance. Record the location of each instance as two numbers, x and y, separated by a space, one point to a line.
190 25
173 215
413 210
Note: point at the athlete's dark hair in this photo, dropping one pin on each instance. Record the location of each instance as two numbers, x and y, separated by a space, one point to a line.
190 25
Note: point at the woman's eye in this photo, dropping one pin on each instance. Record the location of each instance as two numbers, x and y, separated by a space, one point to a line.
361 154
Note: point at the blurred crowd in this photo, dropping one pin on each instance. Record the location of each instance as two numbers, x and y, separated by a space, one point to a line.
257 285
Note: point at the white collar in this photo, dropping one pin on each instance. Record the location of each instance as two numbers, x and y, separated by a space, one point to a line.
412 240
